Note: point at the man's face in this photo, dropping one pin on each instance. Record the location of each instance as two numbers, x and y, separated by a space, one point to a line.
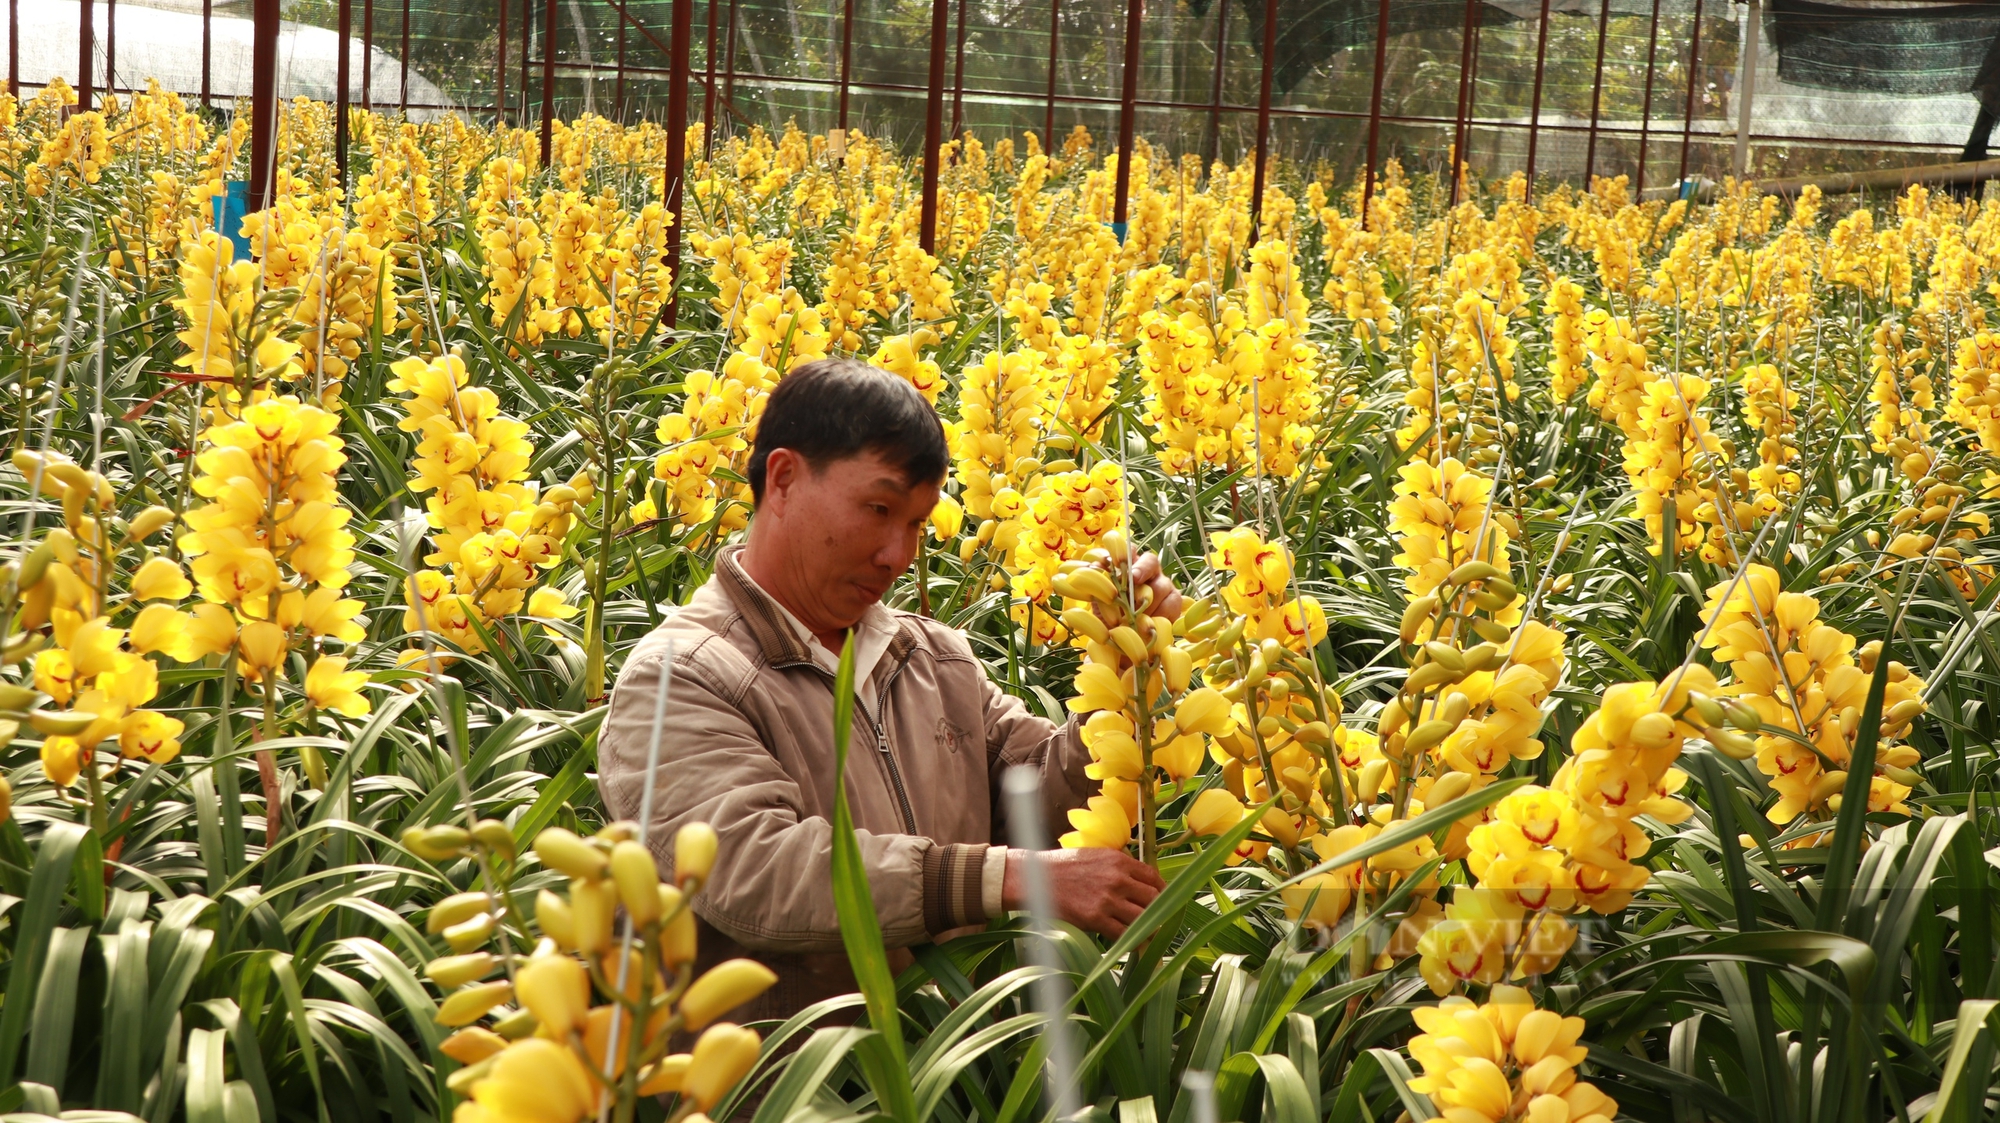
845 531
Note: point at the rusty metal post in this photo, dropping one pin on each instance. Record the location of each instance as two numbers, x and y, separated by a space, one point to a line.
1263 118
1375 107
1461 131
110 47
933 130
958 78
14 49
1214 146
368 56
342 72
86 32
548 78
403 65
527 41
729 58
1693 86
207 43
708 99
1596 95
499 72
1646 110
1055 43
264 17
846 56
1128 114
677 126
1535 102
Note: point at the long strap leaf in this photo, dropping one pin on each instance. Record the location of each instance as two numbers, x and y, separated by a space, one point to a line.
37 923
882 1057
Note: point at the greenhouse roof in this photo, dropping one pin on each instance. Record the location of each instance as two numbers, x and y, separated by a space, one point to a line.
165 44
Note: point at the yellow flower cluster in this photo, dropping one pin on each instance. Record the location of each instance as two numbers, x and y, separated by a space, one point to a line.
77 154
1065 515
1768 405
1618 361
1198 386
1122 611
718 419
1808 686
1502 1061
1283 732
1569 348
229 337
518 282
95 674
1672 460
1975 389
1354 285
270 548
903 355
637 274
343 283
584 1022
1443 517
1902 394
494 531
1005 404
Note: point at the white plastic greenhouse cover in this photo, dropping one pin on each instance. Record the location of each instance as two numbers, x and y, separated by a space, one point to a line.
154 42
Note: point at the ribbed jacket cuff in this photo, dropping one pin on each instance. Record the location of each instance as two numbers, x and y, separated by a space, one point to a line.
952 885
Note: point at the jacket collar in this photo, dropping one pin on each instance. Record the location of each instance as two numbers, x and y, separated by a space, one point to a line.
780 644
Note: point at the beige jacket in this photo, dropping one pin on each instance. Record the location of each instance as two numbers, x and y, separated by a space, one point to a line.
748 748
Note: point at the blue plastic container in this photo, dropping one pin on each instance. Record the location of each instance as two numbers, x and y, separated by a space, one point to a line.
230 207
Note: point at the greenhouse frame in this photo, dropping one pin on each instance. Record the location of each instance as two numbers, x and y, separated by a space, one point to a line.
1659 90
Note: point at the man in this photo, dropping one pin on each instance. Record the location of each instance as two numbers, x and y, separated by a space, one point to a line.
845 470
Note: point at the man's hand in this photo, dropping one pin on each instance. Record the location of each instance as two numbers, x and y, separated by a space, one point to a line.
1101 891
1165 599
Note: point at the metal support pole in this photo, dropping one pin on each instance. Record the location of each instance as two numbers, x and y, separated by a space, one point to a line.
1263 118
708 100
207 44
1746 87
1055 42
1646 98
14 49
1535 102
499 72
548 78
1461 132
110 47
527 41
368 56
1375 107
86 32
958 78
263 100
933 130
1596 95
1214 148
618 87
403 65
729 57
1128 115
677 126
846 56
343 71
1693 85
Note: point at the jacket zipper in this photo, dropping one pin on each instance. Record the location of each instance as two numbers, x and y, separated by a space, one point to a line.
877 722
882 744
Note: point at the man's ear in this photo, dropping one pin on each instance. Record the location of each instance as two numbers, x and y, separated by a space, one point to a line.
781 471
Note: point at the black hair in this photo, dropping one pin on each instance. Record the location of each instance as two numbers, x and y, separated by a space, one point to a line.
831 409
